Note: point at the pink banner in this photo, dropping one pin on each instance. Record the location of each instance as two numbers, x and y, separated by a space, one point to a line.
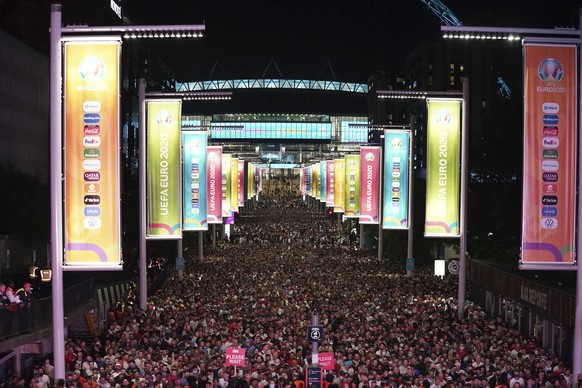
241 182
369 185
330 183
213 184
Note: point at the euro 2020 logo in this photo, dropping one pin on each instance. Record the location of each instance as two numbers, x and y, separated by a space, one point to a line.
164 117
550 70
443 117
369 157
396 143
92 69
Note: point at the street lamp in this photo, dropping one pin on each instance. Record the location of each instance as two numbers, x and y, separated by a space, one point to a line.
556 36
56 166
423 95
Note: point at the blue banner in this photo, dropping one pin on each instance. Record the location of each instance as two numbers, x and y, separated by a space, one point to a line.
396 177
323 180
195 216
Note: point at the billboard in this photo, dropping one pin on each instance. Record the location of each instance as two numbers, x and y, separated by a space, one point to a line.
330 183
194 173
163 179
352 186
397 146
213 184
339 186
92 215
549 165
370 184
443 168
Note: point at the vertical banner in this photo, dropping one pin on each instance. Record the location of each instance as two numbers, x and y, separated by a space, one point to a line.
443 168
226 186
370 185
352 186
213 184
549 165
258 180
310 181
339 187
92 215
323 181
241 183
194 173
234 185
396 179
330 183
164 202
315 177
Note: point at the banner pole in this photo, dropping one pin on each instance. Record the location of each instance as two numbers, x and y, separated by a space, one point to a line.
143 271
463 200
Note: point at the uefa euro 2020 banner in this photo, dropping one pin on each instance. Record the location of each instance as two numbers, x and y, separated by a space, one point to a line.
225 183
234 185
339 186
352 187
330 183
194 195
322 181
241 183
92 215
164 203
443 168
396 180
213 184
549 164
369 184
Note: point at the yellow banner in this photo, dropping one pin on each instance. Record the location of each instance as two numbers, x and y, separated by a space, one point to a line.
339 185
92 216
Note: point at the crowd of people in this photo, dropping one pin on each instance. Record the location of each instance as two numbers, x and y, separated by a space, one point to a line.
15 308
384 328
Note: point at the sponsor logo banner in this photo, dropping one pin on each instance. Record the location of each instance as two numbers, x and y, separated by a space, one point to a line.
330 171
194 177
322 181
163 183
241 183
549 166
92 215
234 185
213 184
225 185
443 173
339 187
352 186
396 179
369 184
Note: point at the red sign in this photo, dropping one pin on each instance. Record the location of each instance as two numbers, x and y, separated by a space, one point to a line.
235 356
326 361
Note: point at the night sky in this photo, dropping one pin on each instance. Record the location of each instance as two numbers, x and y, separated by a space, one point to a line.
355 37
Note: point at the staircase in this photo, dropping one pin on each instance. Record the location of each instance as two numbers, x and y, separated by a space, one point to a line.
83 328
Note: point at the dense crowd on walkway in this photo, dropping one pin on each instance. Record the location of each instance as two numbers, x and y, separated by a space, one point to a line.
386 329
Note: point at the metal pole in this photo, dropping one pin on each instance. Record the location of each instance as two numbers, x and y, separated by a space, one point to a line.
143 271
315 344
463 210
213 235
380 202
200 246
56 176
577 356
410 249
361 236
180 255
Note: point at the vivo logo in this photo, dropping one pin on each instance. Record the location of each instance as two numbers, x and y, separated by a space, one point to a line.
549 211
92 211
